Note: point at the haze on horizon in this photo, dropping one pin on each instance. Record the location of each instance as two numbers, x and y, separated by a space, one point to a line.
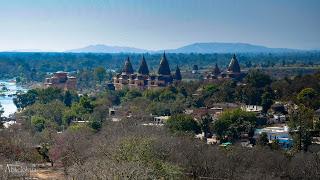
59 25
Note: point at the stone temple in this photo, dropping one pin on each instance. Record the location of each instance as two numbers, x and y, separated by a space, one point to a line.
62 81
143 79
232 72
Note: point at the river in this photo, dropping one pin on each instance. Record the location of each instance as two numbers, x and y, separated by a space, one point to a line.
6 98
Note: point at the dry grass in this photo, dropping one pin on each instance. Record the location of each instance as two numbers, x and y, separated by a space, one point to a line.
49 174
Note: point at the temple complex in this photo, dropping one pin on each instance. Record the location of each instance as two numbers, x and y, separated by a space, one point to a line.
232 72
61 80
143 79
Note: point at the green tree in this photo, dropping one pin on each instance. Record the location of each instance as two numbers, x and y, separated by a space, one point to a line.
96 125
52 112
38 123
159 108
183 123
82 109
132 94
167 95
205 124
47 95
86 104
100 74
248 94
68 116
266 101
301 121
67 99
153 95
309 97
275 145
210 89
25 99
263 139
233 123
258 79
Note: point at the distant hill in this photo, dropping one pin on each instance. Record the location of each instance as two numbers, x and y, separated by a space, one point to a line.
214 47
25 50
227 48
100 48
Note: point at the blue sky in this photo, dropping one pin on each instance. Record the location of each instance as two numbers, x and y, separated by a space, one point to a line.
59 25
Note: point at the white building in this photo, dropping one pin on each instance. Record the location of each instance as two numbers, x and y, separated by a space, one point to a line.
252 108
274 132
160 119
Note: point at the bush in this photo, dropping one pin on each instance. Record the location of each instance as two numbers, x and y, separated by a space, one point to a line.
234 123
38 122
96 125
183 123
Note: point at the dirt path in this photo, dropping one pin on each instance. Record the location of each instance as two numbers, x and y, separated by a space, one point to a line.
49 174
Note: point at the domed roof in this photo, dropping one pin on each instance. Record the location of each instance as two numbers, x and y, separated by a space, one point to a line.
234 65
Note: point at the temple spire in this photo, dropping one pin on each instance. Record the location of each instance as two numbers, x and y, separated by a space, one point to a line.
164 68
143 69
216 70
234 65
177 74
127 69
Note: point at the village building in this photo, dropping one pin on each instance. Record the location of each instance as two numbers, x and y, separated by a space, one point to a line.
214 111
143 79
279 133
160 119
232 72
62 81
198 113
277 119
252 108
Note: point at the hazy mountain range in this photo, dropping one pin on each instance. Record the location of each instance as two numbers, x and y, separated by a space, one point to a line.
25 50
213 47
100 48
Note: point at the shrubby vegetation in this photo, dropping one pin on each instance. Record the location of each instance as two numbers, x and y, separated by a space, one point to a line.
183 123
128 150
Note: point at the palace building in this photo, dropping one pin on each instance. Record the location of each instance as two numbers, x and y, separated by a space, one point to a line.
143 79
61 80
232 72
